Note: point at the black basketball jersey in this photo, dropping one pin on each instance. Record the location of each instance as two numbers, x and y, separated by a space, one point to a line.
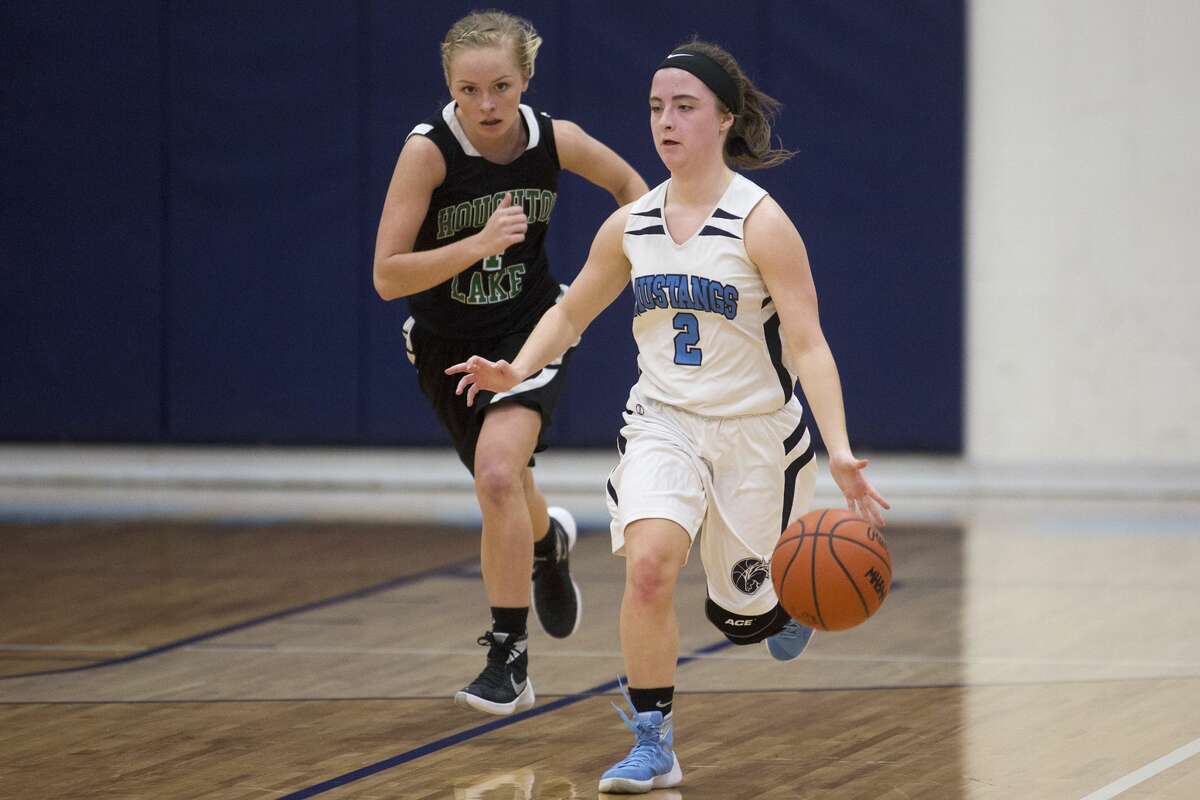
509 291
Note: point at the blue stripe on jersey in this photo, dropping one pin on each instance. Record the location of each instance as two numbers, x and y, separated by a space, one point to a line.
654 212
652 229
721 213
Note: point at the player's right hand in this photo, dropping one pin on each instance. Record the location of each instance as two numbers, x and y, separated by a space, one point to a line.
479 374
861 497
505 227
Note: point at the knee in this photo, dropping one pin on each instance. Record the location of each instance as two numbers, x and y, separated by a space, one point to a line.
650 579
497 482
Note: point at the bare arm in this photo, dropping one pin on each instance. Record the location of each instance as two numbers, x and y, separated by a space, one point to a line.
599 282
593 161
398 271
775 246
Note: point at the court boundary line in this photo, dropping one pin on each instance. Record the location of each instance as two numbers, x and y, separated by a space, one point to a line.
18 650
1146 772
472 733
599 692
460 568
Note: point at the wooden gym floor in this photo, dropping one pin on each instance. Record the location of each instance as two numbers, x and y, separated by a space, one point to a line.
1036 650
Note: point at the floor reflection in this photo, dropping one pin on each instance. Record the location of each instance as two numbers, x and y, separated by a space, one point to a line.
518 784
526 784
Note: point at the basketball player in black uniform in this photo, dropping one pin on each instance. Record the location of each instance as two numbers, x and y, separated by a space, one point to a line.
462 236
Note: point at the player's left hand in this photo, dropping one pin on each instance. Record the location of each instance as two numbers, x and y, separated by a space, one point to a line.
861 497
480 374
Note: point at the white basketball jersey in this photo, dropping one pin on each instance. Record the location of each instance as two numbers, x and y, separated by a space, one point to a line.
707 333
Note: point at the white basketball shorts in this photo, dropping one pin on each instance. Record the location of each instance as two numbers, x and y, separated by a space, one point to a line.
737 481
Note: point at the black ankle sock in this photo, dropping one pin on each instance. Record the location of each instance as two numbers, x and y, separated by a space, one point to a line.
659 699
510 620
547 545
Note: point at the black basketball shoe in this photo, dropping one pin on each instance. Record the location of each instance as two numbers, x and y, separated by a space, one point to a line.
503 687
556 599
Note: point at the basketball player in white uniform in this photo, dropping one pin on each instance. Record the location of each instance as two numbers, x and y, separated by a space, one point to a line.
714 438
725 319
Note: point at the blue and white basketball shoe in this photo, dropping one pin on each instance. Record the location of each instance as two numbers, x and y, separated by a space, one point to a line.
652 763
790 642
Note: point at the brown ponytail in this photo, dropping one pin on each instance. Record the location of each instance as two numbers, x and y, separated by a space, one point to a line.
748 143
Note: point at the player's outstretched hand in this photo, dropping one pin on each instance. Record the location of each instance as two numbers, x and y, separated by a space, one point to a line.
480 374
505 227
861 497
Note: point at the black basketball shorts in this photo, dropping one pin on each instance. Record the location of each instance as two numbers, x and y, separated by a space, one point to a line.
431 355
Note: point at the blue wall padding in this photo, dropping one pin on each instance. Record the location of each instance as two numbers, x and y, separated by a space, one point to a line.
191 192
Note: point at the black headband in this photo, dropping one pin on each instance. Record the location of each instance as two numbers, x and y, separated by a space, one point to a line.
711 74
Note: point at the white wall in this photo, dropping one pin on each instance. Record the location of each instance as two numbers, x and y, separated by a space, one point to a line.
1083 231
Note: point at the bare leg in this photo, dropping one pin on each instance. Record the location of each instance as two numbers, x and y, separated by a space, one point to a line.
539 519
655 550
654 553
502 454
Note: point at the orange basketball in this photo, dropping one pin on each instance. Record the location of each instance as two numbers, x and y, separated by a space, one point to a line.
831 569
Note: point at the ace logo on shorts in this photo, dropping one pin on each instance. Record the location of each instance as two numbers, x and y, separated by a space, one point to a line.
748 575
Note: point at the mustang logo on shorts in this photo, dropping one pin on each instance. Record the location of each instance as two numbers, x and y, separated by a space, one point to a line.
748 575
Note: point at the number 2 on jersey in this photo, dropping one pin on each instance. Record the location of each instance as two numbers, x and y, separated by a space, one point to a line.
686 353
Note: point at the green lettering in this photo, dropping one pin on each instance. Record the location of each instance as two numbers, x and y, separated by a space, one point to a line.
462 216
479 212
495 290
443 222
456 293
514 272
476 296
